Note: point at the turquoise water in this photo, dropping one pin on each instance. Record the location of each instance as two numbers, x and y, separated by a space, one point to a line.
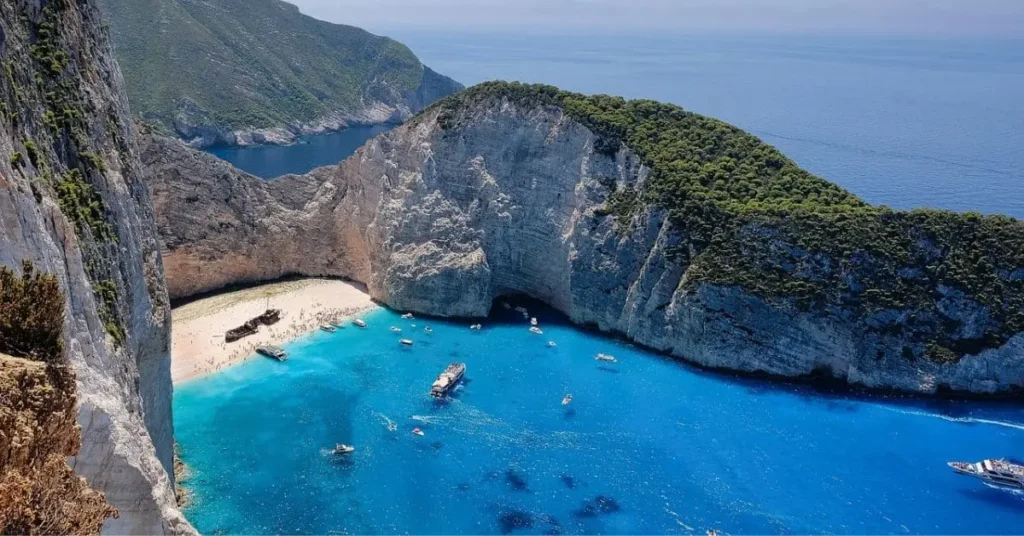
311 152
648 445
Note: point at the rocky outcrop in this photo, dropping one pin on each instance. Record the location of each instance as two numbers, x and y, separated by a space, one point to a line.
515 200
72 201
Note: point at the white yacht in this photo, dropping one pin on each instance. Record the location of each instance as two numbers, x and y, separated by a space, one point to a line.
396 329
536 330
606 358
341 449
359 322
996 472
406 342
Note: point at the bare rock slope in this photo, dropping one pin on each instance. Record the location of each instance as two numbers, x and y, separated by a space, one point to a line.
470 202
73 203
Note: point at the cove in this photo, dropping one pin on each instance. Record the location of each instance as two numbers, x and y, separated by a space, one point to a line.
648 445
311 152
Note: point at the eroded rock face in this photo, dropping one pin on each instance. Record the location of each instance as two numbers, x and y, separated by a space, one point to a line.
72 201
513 201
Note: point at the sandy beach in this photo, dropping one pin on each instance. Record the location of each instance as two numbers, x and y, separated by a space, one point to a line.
197 342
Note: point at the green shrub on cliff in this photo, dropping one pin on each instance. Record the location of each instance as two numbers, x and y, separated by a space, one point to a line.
750 217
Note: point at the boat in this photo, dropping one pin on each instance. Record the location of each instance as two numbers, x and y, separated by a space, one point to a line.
343 449
328 328
606 358
448 379
340 324
428 329
406 342
551 344
533 321
249 328
272 352
1000 473
417 431
359 322
535 329
407 316
567 400
476 327
395 329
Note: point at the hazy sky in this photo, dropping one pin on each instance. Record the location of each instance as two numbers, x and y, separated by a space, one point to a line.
929 17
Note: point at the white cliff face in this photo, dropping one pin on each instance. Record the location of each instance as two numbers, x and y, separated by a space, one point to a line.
123 388
512 201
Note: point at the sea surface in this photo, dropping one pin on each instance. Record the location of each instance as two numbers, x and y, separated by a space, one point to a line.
902 122
311 152
648 445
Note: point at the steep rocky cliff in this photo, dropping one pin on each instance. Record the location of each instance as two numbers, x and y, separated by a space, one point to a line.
673 230
243 72
73 203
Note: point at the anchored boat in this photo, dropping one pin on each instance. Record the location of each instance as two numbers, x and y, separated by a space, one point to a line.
359 322
448 379
328 328
343 449
406 342
996 472
272 352
606 358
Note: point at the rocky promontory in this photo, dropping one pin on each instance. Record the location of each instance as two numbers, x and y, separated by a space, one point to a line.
643 220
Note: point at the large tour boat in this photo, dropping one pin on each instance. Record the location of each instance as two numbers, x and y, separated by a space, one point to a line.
996 472
448 379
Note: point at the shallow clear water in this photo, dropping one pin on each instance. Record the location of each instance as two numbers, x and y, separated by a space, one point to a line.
647 446
311 152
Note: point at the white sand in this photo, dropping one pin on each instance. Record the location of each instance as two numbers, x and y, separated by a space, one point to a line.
197 341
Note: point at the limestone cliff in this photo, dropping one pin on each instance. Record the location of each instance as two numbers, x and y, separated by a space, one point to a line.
490 194
72 201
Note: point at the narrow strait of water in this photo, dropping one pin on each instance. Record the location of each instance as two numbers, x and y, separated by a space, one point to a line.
648 445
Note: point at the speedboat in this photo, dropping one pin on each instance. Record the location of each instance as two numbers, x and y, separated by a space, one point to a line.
428 329
395 329
1000 473
328 328
406 342
476 327
606 358
417 431
533 321
567 400
359 322
343 449
551 344
536 330
407 316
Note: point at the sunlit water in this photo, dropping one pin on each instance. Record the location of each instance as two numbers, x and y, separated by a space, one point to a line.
648 445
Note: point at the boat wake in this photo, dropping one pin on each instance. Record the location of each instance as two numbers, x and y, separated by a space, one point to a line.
391 425
963 420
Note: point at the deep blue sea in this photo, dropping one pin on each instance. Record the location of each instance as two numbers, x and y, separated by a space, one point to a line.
311 152
903 122
648 445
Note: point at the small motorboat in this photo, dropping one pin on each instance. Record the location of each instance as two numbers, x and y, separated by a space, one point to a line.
359 322
406 342
414 326
328 328
428 329
342 449
533 321
395 329
407 316
536 330
606 358
567 400
551 344
417 431
476 327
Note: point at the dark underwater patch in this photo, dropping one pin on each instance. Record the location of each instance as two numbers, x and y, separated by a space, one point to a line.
514 520
515 481
569 481
600 505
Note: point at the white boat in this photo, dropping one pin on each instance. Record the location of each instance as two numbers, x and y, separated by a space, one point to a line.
1000 473
359 322
606 358
407 316
395 329
533 321
567 400
272 352
343 449
536 330
328 328
428 329
476 327
406 342
448 379
417 431
551 344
